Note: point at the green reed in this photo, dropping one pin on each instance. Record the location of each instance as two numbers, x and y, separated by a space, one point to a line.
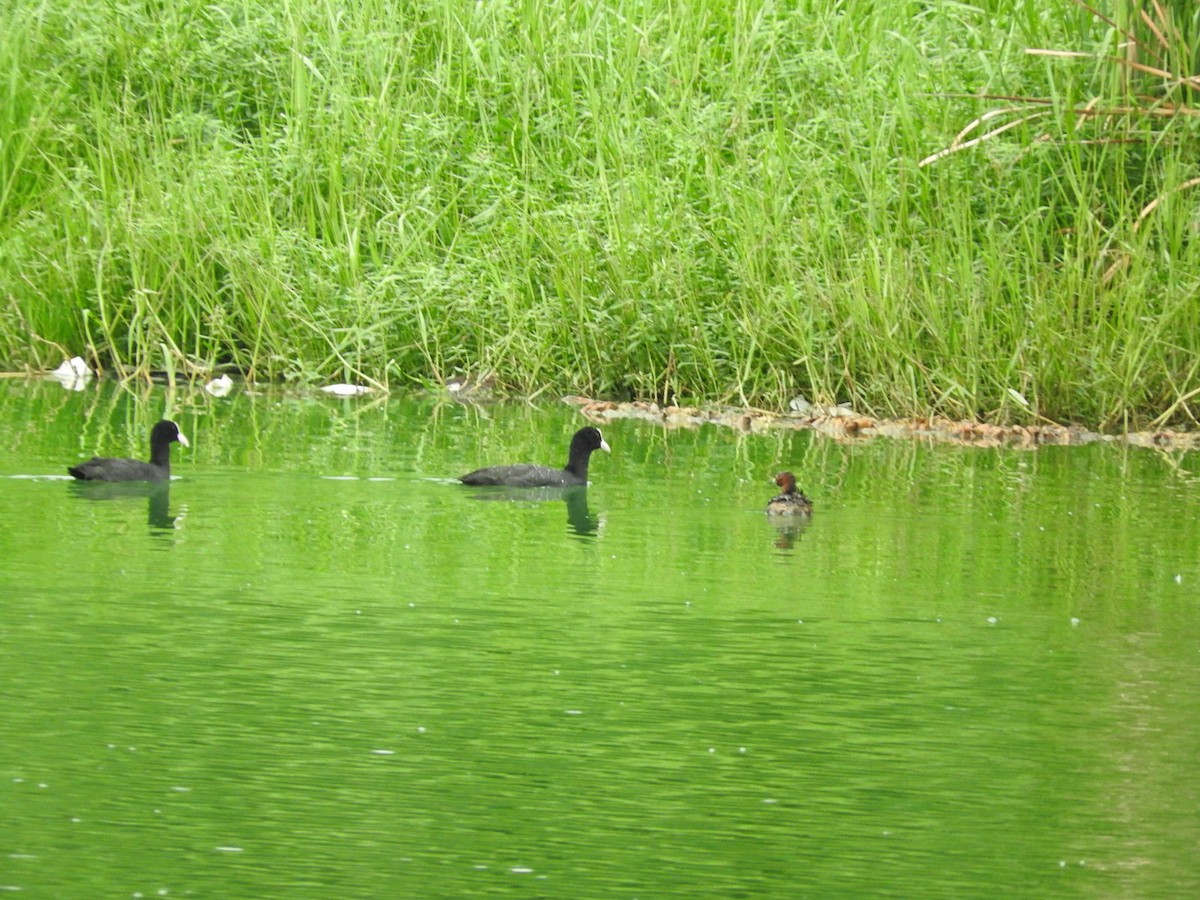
707 201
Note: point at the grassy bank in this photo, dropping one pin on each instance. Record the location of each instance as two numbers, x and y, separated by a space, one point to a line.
702 201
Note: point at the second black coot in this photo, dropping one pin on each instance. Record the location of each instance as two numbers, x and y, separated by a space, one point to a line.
528 475
106 468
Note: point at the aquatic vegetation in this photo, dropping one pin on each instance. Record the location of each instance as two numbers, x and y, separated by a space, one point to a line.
717 202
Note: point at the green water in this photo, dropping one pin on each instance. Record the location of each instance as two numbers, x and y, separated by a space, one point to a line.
317 667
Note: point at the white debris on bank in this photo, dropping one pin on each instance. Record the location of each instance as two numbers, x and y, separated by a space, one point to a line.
220 387
346 390
73 374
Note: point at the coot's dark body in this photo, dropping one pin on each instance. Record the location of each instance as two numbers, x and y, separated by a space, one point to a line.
104 468
527 475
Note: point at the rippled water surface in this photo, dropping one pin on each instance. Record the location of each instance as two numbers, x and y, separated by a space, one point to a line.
315 666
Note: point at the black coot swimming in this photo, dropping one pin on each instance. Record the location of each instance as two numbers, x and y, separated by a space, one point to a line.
526 475
791 502
103 468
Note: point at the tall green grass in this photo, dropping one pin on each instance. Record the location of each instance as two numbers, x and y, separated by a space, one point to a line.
708 200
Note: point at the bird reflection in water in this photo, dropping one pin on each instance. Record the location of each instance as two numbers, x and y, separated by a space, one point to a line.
788 532
580 519
157 496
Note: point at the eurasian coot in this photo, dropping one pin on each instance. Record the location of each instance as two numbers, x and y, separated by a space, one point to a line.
526 475
791 502
103 468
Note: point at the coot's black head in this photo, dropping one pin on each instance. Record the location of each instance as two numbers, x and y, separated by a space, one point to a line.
588 439
165 432
582 444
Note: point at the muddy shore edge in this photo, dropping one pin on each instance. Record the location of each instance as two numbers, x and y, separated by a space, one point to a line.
842 423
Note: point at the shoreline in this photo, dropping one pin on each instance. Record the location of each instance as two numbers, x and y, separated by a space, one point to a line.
837 422
843 424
